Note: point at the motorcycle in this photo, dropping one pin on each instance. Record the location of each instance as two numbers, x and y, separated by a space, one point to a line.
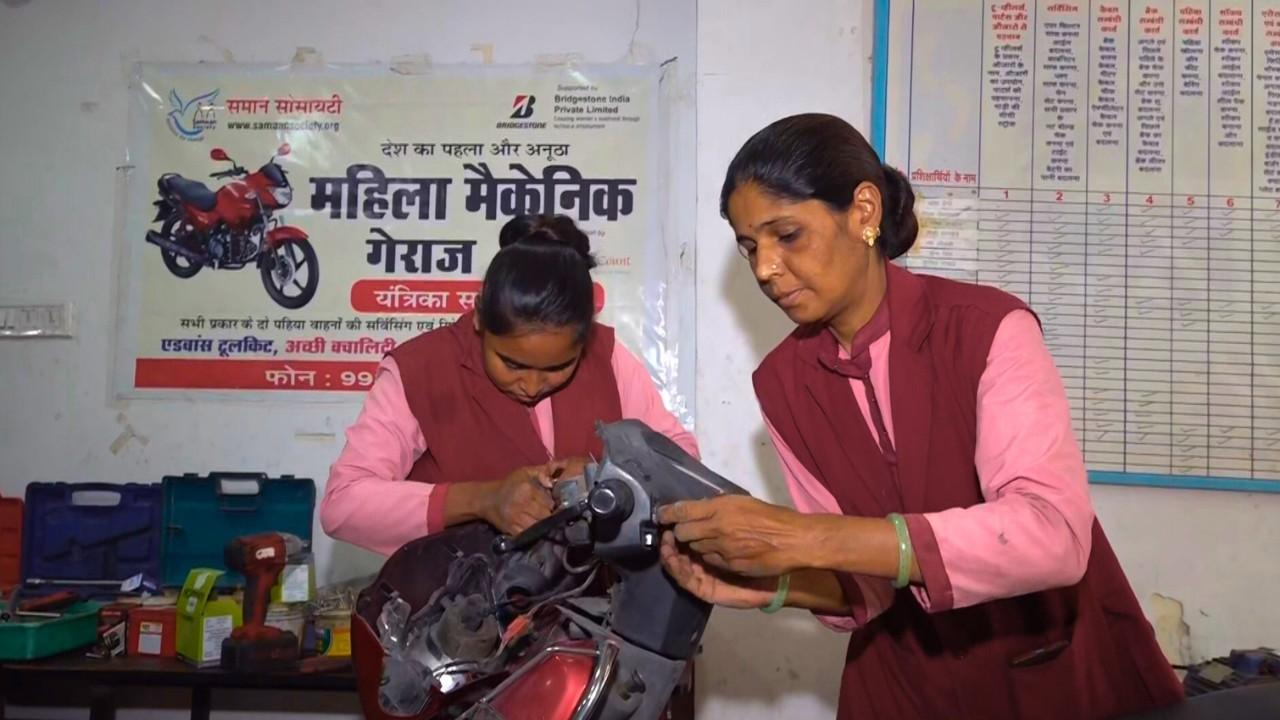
235 226
573 619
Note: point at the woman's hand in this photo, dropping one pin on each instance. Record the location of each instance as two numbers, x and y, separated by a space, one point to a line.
710 584
519 500
513 503
743 535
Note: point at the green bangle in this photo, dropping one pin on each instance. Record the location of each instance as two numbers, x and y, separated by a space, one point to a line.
905 553
779 597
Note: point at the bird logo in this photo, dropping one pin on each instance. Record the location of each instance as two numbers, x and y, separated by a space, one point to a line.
188 120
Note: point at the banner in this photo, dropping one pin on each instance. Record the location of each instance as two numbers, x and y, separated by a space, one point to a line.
285 229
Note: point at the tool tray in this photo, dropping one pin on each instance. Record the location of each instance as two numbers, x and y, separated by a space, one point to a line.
44 637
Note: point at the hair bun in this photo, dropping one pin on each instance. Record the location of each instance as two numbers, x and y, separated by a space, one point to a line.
898 222
548 231
541 278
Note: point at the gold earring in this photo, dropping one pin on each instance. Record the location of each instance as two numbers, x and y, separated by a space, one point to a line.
869 235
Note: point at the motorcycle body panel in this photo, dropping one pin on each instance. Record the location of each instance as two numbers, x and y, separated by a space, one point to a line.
237 204
550 690
285 234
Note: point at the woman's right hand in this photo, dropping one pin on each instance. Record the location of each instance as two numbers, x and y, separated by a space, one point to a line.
520 499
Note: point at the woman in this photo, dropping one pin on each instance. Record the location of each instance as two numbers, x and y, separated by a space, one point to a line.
483 413
925 435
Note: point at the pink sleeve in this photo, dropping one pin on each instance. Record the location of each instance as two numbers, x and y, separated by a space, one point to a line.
810 496
367 501
640 399
1033 531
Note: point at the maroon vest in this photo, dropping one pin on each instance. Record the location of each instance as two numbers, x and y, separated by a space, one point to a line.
475 432
957 663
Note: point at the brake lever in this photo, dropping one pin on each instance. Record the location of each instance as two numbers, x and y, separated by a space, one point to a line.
505 543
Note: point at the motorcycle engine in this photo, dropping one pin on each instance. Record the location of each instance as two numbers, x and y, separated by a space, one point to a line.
219 243
458 636
248 245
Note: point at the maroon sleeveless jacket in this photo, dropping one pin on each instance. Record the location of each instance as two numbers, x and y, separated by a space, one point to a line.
474 432
1100 656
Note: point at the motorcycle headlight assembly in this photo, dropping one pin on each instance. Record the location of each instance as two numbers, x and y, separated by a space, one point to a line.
282 195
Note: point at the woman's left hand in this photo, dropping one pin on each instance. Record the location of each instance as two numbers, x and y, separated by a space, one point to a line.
742 534
709 584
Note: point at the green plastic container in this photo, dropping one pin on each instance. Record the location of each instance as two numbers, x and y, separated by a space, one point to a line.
43 637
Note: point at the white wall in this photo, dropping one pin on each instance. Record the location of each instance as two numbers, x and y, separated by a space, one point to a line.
757 62
1214 552
62 129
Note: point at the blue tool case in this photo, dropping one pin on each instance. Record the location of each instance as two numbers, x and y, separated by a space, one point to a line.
89 537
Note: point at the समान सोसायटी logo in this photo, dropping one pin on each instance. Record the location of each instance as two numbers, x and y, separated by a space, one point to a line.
190 119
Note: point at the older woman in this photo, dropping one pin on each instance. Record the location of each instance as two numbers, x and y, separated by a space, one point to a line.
925 435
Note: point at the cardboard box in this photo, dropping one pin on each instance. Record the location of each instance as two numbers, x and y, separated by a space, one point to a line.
153 631
204 618
333 630
297 581
113 623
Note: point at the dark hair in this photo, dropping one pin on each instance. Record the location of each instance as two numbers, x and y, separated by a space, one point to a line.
821 157
541 276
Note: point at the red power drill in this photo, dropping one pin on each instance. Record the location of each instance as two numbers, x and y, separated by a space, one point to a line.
256 646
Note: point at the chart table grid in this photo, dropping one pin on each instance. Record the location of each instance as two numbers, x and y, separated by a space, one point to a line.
1121 174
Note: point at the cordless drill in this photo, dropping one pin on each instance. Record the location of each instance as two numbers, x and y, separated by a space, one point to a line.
256 646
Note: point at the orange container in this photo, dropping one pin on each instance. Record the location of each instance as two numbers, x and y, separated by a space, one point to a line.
10 543
153 631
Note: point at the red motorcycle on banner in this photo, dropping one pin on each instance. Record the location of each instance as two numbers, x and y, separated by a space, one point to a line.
235 226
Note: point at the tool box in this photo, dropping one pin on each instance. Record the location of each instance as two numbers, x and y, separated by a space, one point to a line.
204 513
10 543
79 538
90 537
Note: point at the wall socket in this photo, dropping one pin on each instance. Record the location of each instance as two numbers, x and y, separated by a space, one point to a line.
36 321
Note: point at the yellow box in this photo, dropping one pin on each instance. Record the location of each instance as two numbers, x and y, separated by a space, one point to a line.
204 620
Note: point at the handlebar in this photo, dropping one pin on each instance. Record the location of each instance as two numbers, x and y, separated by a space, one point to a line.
608 502
233 172
504 544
